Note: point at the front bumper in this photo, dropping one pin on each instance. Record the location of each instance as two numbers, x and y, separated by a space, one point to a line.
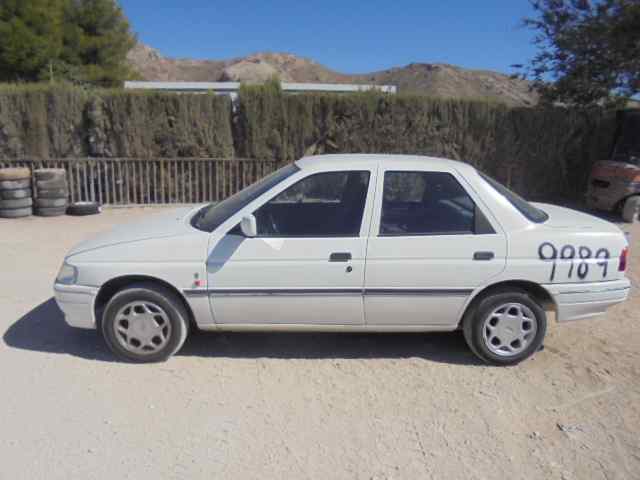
575 301
77 304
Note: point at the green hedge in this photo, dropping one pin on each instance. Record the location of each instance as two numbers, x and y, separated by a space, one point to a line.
541 153
61 122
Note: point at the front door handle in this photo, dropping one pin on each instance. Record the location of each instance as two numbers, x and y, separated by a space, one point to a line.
340 257
483 256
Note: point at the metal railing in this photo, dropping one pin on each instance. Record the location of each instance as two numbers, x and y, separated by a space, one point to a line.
132 181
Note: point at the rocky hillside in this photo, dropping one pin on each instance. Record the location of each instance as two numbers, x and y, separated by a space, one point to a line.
438 80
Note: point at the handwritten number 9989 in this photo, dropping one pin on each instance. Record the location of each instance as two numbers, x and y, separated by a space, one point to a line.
548 252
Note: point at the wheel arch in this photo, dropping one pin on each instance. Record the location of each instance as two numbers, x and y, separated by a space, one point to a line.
114 285
535 290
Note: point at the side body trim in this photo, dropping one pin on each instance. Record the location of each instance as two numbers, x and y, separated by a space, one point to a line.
306 327
434 292
330 292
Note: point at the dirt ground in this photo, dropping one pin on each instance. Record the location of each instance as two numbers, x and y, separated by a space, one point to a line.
325 406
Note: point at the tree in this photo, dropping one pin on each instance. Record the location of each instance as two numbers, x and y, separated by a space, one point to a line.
589 51
30 37
83 41
97 37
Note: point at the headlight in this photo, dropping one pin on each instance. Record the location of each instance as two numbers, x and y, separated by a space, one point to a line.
67 275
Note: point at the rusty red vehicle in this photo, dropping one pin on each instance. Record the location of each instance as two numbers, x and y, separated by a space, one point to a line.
614 185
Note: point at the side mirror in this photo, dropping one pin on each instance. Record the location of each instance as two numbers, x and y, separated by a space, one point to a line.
249 226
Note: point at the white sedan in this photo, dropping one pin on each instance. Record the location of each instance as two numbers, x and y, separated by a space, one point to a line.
344 243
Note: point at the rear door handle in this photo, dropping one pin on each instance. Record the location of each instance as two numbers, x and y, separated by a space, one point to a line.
483 256
340 257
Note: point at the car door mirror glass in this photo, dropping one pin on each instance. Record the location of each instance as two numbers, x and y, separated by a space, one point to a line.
249 226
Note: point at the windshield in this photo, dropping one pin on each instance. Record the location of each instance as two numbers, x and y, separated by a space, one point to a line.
213 215
532 213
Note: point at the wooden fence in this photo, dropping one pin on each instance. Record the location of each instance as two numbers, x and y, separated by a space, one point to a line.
129 181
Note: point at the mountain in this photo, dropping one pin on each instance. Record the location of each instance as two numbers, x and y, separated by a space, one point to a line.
437 80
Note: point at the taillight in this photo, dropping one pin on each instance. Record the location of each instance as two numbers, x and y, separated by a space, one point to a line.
622 266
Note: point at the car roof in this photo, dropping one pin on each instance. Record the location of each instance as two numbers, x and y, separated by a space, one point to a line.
367 160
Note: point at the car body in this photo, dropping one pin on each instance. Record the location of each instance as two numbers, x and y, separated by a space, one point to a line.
367 243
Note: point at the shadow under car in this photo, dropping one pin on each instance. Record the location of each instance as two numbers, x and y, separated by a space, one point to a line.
43 329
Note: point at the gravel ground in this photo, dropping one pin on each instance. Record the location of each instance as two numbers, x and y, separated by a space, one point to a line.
278 405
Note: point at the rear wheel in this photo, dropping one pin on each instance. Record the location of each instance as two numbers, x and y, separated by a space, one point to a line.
145 323
505 327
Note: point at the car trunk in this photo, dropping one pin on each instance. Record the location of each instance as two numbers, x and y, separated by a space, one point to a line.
561 217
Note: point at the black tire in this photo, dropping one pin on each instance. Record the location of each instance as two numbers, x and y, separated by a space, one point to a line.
16 212
84 208
51 202
159 296
50 211
58 183
12 194
50 174
480 310
15 184
53 193
630 209
16 173
16 203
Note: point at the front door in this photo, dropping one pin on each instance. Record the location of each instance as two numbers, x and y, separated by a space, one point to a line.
431 245
306 265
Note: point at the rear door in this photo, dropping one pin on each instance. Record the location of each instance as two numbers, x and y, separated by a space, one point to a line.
430 245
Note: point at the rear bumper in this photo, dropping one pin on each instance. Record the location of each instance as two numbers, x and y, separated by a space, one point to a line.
77 304
575 301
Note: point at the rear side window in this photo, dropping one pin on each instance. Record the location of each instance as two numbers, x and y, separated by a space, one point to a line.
428 203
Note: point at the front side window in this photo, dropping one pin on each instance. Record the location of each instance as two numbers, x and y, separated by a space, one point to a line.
329 204
213 215
428 203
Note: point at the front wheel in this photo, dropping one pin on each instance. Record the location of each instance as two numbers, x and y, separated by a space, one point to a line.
145 323
505 328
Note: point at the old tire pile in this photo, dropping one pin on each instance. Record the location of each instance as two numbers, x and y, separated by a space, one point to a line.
15 193
84 208
52 192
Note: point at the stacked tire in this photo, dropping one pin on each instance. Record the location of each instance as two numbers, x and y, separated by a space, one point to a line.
15 193
52 192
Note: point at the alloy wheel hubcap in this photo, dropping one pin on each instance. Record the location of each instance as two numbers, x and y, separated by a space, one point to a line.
142 327
509 329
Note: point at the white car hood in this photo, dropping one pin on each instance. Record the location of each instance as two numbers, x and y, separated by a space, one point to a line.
170 224
561 217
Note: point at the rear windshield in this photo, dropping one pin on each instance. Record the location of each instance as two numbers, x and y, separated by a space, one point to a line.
525 208
213 215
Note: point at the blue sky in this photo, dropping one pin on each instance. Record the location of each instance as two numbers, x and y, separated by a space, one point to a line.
348 36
